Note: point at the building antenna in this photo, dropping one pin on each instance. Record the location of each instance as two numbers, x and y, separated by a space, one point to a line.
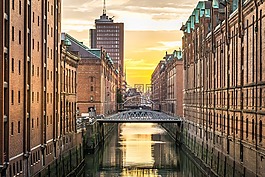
104 8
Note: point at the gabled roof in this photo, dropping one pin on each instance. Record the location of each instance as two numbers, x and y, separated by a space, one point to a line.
83 50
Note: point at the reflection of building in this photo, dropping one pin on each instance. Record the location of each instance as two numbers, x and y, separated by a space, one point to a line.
167 82
96 78
223 51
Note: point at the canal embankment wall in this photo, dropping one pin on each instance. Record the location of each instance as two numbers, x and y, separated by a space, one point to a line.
95 135
211 159
68 162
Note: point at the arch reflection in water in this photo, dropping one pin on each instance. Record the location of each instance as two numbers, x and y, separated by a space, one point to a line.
140 150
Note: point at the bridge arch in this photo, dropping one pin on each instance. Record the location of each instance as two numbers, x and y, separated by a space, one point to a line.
140 116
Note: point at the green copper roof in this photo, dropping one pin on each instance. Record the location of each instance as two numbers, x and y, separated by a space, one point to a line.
177 54
188 26
207 12
215 4
192 21
197 15
201 7
96 52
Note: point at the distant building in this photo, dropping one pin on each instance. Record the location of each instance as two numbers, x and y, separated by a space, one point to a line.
167 84
110 36
93 38
97 79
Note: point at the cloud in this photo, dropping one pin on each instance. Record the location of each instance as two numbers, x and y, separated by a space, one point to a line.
139 64
146 15
166 45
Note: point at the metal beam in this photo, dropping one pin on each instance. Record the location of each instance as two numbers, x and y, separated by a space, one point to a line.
140 116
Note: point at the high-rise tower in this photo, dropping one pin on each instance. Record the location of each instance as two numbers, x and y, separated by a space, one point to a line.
109 36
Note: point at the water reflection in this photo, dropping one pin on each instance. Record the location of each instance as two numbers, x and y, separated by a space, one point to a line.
143 150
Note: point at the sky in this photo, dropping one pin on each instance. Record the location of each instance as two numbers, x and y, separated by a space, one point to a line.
152 27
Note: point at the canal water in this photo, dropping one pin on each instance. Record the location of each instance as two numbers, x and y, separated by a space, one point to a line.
139 150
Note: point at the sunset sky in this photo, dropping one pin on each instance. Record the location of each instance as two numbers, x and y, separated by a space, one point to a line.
151 29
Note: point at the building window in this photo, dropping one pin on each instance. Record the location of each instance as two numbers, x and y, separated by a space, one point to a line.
33 44
13 4
19 7
247 128
12 65
19 37
91 98
91 79
37 97
17 168
48 29
260 130
32 70
13 33
18 96
38 47
14 169
253 131
91 88
38 71
51 32
236 125
32 123
32 97
20 164
12 97
38 20
18 127
51 9
37 122
12 128
33 17
19 67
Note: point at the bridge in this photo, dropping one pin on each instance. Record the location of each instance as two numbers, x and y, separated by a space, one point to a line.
140 116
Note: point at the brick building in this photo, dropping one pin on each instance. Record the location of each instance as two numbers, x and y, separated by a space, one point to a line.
30 135
156 86
96 78
223 52
167 84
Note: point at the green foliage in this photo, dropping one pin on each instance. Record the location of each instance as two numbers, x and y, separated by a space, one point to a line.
119 96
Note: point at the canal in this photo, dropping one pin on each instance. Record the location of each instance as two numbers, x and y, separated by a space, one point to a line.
144 150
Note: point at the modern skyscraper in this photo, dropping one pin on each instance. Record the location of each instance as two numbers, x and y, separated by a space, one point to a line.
109 36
